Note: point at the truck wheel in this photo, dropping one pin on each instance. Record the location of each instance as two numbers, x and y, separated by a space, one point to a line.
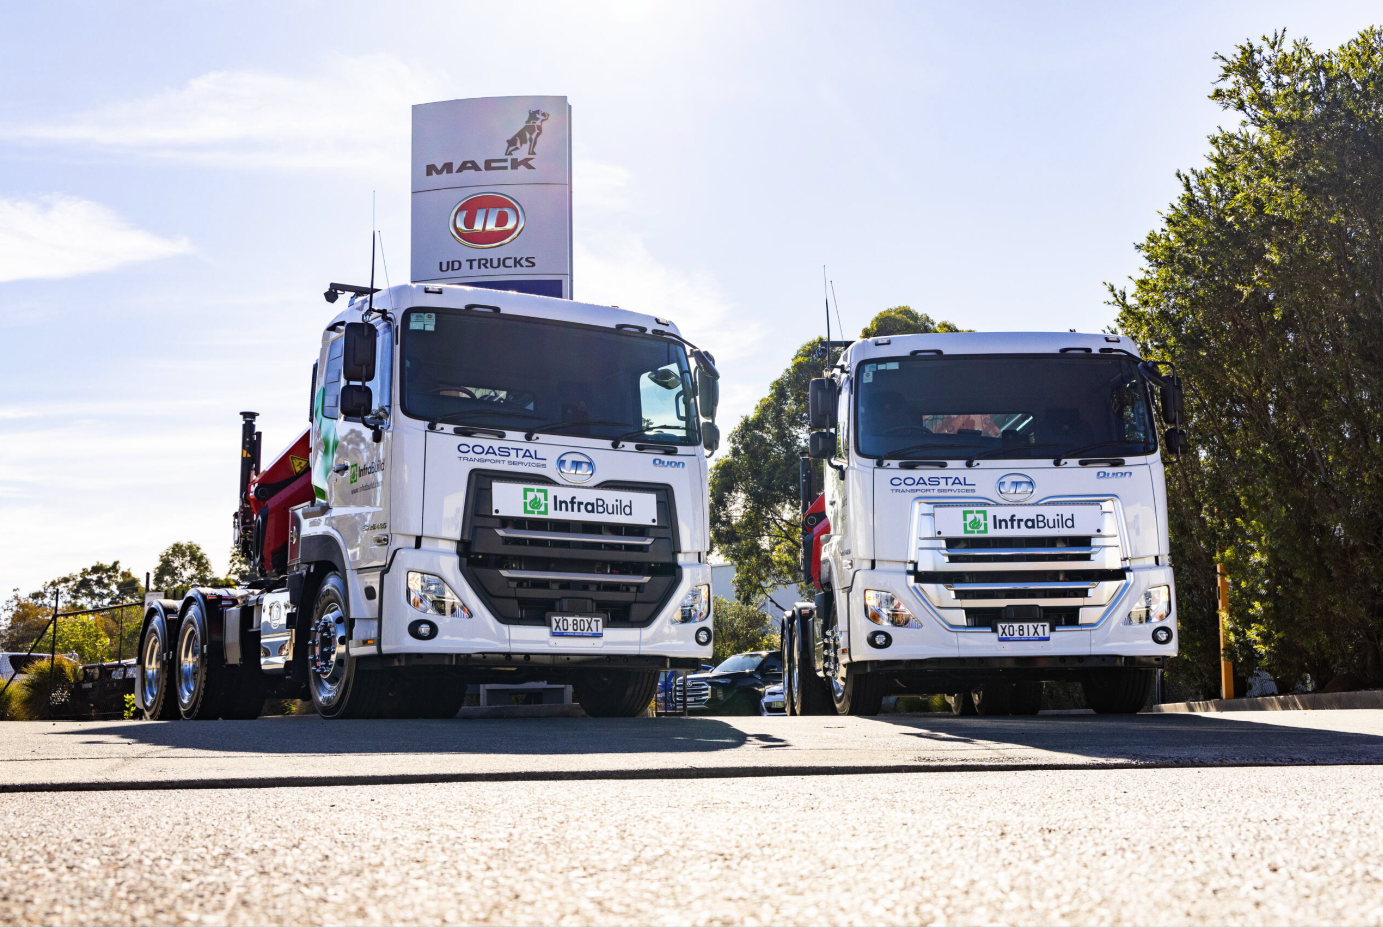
961 703
1118 691
1026 698
861 694
340 688
789 666
992 698
608 694
199 673
155 690
811 695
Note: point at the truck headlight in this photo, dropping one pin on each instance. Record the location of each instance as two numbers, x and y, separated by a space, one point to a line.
696 605
429 593
883 608
1155 606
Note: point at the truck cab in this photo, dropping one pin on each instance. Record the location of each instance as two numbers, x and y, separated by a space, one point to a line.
503 488
995 517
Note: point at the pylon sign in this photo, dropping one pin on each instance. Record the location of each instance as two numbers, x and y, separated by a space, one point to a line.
492 194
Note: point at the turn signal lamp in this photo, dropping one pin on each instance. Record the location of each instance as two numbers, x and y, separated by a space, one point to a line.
1155 606
696 605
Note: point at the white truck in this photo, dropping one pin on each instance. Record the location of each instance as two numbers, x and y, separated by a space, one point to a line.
495 487
994 515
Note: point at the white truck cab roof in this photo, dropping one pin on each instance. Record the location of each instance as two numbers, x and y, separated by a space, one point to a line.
972 343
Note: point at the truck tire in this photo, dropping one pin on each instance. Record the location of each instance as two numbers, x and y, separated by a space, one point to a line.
340 687
154 683
962 703
862 693
1117 691
789 662
1026 698
811 695
611 694
992 699
199 673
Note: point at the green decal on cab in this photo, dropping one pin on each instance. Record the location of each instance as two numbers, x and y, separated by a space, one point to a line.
534 501
974 521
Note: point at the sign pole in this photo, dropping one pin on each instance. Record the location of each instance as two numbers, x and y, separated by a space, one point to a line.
1226 668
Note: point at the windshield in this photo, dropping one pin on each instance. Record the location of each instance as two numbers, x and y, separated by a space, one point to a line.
1002 407
494 371
740 663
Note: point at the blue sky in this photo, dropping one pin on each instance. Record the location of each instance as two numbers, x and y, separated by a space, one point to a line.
179 181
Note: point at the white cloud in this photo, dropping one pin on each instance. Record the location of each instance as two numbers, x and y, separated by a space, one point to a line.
63 236
354 113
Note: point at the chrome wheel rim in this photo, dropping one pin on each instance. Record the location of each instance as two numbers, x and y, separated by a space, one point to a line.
152 671
189 662
326 654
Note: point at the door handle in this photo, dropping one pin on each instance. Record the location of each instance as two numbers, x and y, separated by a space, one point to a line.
340 468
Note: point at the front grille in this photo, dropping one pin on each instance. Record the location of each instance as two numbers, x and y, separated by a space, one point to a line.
1019 584
1018 550
527 568
694 696
1055 617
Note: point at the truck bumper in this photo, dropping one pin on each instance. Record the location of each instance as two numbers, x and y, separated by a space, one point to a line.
943 635
481 639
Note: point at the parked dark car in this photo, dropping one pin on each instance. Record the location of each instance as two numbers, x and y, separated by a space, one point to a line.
737 686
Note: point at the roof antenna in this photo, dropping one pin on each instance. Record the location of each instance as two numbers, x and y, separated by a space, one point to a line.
837 302
371 308
827 298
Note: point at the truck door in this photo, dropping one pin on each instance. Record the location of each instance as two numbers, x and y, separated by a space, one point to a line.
354 466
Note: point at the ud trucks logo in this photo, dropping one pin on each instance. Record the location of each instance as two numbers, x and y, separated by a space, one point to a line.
575 467
534 501
1016 487
486 220
974 521
528 135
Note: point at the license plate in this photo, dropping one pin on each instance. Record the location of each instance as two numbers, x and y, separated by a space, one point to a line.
577 626
1024 631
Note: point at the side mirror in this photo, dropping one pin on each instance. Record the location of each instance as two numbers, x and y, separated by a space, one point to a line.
710 437
707 394
821 404
1173 400
356 401
821 445
358 357
705 363
1175 441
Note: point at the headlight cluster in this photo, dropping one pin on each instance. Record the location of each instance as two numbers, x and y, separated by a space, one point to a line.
429 593
696 605
1155 606
883 608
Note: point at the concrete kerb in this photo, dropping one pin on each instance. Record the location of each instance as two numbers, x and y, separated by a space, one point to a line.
1363 699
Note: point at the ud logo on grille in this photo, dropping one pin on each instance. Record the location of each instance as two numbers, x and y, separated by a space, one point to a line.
1016 487
534 501
486 220
575 467
975 522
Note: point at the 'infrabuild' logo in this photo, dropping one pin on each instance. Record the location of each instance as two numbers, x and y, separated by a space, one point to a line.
1038 522
593 507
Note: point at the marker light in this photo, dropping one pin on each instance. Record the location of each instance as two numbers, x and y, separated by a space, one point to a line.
696 605
429 593
883 608
1155 606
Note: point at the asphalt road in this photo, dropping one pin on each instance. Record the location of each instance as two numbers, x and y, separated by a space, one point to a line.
1103 821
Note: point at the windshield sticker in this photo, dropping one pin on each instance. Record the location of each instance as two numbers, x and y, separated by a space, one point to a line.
507 455
424 322
869 375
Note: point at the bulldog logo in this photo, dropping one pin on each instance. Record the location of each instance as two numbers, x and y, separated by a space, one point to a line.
528 135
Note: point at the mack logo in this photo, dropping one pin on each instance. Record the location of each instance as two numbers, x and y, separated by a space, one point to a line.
1015 487
486 220
534 501
575 467
526 136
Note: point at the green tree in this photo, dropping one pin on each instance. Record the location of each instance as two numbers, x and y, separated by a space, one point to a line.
740 628
183 564
755 520
1264 284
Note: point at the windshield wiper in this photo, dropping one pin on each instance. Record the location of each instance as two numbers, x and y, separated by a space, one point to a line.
561 425
995 452
615 442
1099 444
455 418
